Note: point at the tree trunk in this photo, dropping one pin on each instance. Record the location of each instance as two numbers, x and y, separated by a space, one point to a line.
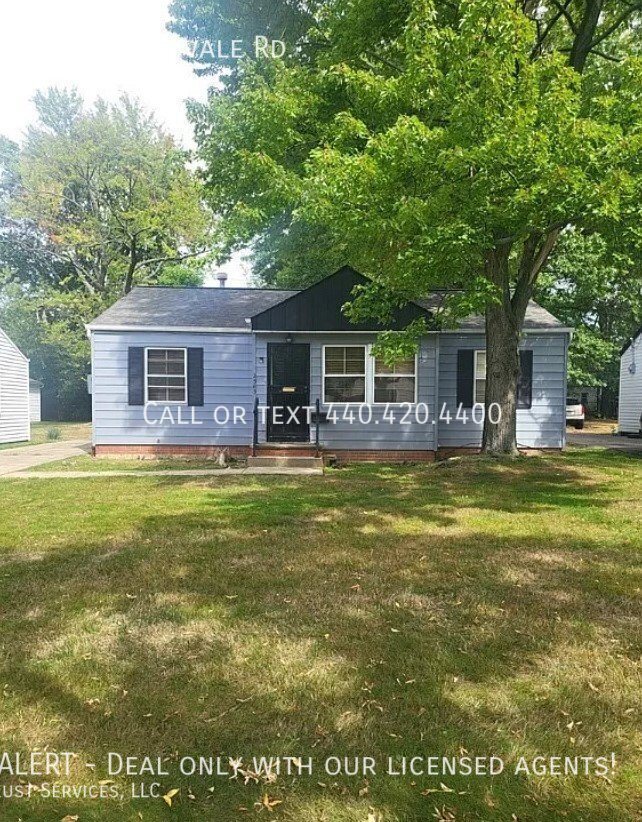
502 360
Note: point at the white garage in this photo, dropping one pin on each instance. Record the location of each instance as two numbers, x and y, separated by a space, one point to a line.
630 412
14 392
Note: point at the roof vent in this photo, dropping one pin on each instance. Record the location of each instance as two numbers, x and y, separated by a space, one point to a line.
221 276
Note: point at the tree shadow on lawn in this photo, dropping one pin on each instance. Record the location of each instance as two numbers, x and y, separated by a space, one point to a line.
346 616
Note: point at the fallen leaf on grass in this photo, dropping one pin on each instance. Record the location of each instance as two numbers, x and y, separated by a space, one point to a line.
69 818
268 803
167 798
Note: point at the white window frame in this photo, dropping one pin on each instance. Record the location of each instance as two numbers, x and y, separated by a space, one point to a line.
166 348
369 378
476 352
374 374
364 375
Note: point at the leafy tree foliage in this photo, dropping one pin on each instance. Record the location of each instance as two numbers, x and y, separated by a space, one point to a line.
446 144
96 201
598 290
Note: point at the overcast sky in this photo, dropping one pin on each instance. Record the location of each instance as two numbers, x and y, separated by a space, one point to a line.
102 48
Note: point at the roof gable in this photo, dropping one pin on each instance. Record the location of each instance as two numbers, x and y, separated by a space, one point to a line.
318 308
12 345
626 347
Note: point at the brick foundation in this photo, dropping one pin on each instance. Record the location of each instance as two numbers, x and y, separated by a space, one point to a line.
168 451
343 456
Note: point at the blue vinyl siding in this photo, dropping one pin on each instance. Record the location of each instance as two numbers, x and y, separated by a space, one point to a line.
228 371
377 434
235 371
541 426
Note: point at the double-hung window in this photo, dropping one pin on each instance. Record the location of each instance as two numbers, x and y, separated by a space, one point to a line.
480 378
396 383
166 375
352 375
344 373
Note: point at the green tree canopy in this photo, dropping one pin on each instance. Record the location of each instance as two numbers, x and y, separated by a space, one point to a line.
95 201
446 144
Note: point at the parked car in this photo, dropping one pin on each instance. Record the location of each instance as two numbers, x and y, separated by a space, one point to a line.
575 413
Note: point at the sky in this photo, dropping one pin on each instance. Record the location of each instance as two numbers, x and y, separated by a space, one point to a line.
103 49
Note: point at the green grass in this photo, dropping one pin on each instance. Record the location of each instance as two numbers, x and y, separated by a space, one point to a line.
68 431
87 463
478 606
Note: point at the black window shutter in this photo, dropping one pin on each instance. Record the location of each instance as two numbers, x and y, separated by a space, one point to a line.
195 376
136 376
465 377
525 381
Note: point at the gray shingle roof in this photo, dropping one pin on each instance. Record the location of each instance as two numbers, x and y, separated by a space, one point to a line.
168 307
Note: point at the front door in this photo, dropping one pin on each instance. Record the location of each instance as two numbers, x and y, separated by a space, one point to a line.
288 392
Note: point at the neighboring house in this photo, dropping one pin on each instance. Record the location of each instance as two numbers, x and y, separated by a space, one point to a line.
35 402
630 406
14 392
193 370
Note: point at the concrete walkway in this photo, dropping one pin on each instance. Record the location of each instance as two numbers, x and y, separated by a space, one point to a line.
30 456
630 445
202 473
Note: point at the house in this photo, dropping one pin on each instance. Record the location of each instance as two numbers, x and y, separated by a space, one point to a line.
178 371
35 401
14 392
630 405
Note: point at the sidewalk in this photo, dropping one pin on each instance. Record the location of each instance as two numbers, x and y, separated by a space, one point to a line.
30 456
203 473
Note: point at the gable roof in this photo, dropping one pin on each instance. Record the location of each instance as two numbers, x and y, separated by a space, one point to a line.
190 307
316 308
634 337
12 344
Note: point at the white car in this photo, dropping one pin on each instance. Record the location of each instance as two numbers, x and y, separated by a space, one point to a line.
575 413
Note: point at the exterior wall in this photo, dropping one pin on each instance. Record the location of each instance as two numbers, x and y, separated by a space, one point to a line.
35 414
228 376
376 435
631 389
14 393
541 426
235 371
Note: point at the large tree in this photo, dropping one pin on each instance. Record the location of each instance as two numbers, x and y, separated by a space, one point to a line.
95 201
446 144
597 289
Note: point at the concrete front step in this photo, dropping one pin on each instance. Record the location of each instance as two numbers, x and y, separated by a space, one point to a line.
284 461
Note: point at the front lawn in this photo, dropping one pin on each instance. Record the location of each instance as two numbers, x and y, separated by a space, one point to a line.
88 463
471 608
42 432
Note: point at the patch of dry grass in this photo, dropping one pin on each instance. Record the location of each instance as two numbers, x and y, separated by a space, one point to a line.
478 606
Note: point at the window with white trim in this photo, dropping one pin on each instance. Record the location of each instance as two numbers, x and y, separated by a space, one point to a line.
395 384
166 375
344 373
480 378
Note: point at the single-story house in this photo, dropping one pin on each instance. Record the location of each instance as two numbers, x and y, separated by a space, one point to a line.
35 401
189 371
14 392
630 404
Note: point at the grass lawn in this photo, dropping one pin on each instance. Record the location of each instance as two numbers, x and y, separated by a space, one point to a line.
68 431
88 463
472 607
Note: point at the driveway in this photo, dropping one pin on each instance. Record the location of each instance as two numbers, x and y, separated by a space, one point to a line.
583 439
30 456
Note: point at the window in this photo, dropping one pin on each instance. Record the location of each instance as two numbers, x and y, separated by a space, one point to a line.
396 383
166 375
480 378
344 373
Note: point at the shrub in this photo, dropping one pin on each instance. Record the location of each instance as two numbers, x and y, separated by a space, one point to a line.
53 434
